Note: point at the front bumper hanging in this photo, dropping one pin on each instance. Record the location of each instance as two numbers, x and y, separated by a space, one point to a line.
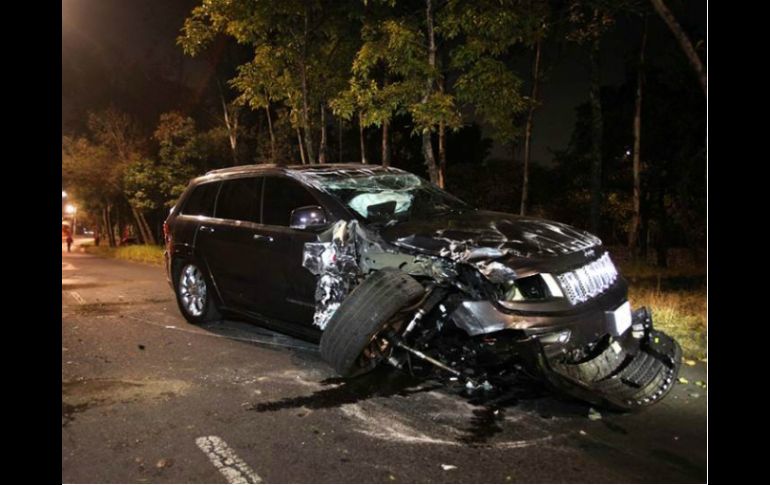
635 370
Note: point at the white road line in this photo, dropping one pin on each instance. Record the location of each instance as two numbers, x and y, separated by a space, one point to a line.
77 297
226 461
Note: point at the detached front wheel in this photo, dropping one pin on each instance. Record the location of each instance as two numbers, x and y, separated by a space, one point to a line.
350 342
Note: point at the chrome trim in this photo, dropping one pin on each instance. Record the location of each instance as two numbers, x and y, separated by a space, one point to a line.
588 281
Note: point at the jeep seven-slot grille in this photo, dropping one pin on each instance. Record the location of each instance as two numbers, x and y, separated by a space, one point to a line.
588 281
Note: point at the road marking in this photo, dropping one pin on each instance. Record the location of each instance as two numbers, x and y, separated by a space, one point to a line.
77 297
226 461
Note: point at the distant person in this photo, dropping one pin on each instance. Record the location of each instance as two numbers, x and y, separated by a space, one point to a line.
96 239
69 243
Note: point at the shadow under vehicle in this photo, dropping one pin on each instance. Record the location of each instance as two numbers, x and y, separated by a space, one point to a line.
381 267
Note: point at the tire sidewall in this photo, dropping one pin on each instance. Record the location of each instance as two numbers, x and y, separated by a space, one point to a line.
210 311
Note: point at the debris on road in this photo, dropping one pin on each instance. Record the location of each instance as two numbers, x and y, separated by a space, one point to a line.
164 463
594 415
682 380
689 362
448 467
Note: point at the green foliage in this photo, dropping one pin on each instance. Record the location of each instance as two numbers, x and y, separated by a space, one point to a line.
292 40
154 184
390 75
495 92
590 19
90 172
487 32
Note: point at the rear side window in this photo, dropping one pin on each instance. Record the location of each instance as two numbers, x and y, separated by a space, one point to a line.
239 199
283 195
201 200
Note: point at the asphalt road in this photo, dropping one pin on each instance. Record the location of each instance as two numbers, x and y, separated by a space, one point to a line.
147 397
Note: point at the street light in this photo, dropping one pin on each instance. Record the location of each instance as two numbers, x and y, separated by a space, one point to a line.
73 211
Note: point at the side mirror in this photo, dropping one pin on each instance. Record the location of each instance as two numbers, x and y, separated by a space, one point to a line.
307 217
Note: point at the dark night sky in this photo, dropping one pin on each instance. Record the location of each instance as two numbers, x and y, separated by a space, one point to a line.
107 39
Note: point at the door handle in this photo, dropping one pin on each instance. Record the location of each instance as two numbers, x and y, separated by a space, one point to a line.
207 229
261 237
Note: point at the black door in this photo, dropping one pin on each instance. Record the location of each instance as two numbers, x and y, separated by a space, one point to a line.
292 285
228 246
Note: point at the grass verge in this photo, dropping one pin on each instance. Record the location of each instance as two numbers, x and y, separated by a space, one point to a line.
679 313
138 253
677 298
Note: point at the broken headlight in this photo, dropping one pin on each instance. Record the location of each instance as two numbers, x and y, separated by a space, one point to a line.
540 286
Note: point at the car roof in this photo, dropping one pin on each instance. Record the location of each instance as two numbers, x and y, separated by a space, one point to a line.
291 169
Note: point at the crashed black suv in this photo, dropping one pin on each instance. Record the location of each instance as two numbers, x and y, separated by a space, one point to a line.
380 266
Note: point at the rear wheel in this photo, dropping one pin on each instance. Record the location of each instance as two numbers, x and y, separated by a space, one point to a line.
350 342
194 294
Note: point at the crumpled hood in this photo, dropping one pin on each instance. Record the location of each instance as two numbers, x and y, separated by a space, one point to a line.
477 234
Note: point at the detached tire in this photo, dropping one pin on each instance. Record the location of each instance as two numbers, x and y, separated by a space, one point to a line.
367 310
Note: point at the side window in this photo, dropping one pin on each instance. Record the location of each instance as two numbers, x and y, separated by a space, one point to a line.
239 199
201 200
283 195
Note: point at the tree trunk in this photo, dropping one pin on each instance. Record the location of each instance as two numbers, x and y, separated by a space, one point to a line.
107 226
144 233
230 124
361 137
150 233
684 42
385 144
513 162
339 136
528 130
272 134
596 138
442 155
427 144
441 144
119 225
305 111
299 145
644 228
139 225
661 245
633 233
322 149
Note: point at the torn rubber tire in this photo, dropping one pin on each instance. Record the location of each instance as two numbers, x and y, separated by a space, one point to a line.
366 311
646 378
597 368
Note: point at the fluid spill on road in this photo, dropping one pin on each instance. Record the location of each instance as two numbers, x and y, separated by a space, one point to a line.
79 396
80 286
98 308
394 406
381 382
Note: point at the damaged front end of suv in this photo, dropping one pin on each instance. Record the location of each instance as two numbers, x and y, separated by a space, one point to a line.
479 295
